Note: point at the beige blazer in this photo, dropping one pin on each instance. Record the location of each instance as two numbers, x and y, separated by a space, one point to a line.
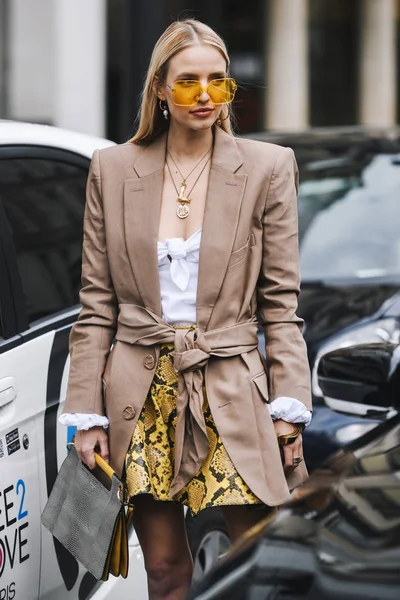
248 263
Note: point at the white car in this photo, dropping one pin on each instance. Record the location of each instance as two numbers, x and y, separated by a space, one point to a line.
43 173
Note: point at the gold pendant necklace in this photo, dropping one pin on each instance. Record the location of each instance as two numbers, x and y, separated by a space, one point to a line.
183 210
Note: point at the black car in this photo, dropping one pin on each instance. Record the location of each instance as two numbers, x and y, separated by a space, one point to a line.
336 423
339 536
349 217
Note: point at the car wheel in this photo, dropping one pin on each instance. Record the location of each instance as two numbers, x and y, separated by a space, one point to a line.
208 539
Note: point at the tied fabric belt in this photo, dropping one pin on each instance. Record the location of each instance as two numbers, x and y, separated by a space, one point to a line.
192 350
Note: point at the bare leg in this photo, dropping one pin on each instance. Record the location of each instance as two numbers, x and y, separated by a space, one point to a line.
160 527
240 518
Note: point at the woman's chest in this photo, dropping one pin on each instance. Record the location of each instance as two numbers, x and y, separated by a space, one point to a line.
182 205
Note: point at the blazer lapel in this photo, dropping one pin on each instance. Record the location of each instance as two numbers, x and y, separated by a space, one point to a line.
221 216
142 204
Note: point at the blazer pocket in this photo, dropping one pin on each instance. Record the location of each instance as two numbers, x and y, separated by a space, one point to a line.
107 369
261 383
104 386
238 255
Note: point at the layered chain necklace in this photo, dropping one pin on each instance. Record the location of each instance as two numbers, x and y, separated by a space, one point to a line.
183 210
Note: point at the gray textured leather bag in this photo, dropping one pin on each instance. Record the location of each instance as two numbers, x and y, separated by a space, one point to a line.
86 513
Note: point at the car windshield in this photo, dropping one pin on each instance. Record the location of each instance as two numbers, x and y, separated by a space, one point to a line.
349 219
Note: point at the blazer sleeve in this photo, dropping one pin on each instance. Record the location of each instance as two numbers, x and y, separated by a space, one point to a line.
92 334
279 286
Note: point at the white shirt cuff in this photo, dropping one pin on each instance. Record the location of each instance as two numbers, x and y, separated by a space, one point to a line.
83 421
290 410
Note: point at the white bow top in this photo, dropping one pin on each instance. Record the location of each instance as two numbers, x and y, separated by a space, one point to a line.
178 265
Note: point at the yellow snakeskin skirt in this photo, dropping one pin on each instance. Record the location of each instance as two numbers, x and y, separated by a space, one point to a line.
149 463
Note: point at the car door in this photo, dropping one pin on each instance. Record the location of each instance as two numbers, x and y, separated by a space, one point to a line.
42 202
19 542
19 492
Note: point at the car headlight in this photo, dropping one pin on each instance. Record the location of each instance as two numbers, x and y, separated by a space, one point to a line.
348 433
384 330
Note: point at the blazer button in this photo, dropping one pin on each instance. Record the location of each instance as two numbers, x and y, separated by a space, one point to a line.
149 361
129 412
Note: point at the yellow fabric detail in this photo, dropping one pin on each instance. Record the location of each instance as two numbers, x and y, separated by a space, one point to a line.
149 463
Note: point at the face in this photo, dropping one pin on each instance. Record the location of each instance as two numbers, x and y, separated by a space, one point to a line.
203 63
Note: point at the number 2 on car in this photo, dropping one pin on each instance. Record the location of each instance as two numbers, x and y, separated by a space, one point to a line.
7 505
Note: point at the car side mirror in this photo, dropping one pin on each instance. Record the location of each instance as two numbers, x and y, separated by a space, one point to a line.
362 379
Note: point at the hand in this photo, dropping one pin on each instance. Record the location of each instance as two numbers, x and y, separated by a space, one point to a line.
290 451
86 442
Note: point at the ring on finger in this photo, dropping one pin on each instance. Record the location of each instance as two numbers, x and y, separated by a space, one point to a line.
297 461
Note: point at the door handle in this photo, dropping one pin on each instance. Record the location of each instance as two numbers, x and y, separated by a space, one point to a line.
8 391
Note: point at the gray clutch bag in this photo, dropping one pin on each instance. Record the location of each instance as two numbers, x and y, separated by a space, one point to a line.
86 513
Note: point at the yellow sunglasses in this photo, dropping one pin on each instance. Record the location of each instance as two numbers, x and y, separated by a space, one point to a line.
187 92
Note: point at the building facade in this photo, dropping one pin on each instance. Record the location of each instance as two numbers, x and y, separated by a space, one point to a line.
299 63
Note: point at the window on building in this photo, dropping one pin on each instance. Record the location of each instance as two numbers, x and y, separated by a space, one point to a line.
333 56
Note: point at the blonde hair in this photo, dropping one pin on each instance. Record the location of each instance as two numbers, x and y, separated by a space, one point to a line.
179 35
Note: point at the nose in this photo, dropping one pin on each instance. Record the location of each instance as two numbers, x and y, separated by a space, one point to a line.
204 96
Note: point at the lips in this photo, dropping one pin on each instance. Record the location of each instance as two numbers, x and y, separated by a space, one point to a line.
202 111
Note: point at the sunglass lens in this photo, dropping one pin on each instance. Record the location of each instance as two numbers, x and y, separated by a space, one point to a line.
186 92
222 91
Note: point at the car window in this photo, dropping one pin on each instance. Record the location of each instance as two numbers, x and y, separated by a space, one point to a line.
349 223
3 285
44 203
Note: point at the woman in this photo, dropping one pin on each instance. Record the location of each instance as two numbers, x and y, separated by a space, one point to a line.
188 233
